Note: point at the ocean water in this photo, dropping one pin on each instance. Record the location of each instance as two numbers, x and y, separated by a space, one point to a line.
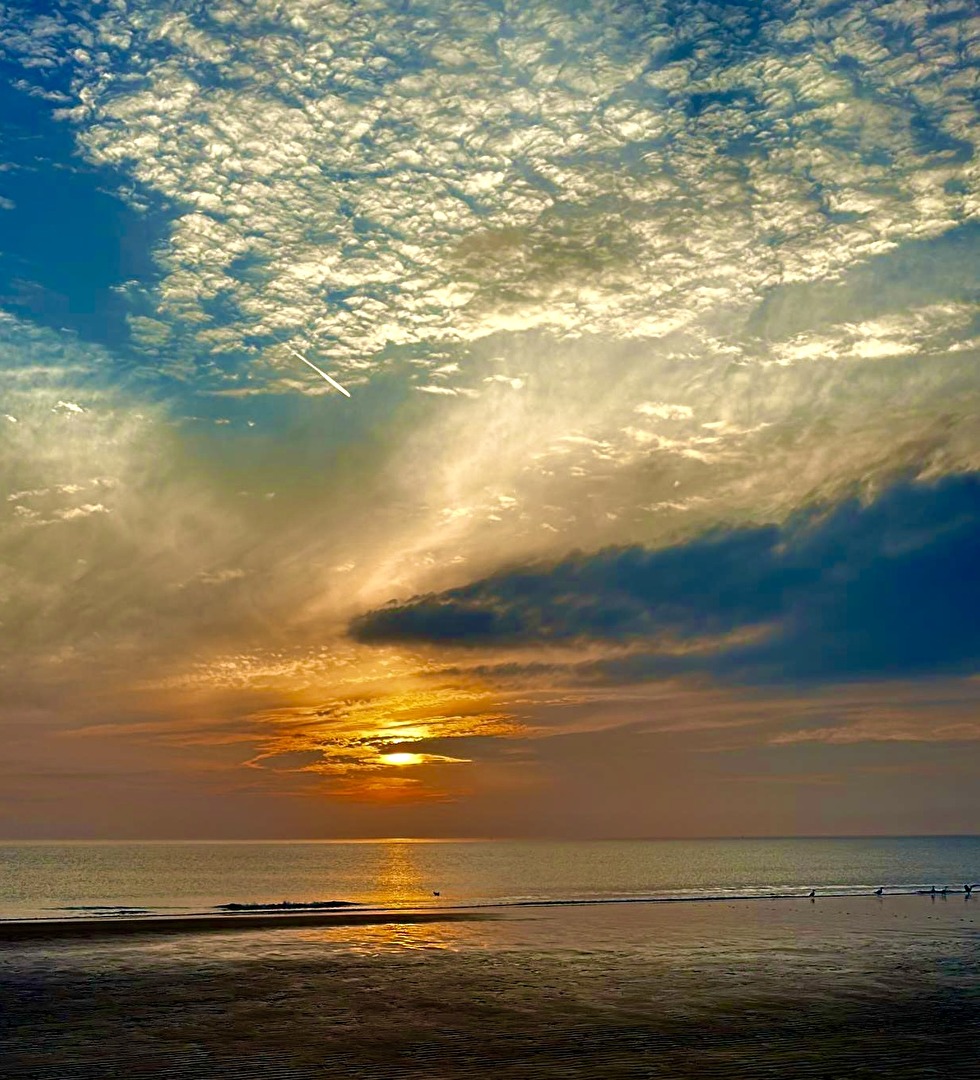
847 985
63 879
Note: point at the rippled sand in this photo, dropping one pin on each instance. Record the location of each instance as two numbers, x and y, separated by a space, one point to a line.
838 988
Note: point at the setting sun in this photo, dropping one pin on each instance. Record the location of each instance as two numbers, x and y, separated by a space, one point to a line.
401 759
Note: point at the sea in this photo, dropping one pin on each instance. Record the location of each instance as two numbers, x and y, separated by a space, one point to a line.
619 960
48 879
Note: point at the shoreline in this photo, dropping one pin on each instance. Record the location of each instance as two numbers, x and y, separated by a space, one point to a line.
91 926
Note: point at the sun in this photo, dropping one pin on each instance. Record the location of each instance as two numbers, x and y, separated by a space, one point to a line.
401 759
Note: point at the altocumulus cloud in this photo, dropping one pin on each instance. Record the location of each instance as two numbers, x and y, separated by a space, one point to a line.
379 175
885 588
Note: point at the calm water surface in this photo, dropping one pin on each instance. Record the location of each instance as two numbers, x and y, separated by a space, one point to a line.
46 879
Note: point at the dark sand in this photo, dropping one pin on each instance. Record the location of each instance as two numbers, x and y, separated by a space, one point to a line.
840 988
23 930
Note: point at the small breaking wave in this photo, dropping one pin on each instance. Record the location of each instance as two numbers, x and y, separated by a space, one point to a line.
105 909
826 892
291 905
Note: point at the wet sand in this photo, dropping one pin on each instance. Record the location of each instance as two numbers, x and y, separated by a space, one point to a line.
23 930
849 987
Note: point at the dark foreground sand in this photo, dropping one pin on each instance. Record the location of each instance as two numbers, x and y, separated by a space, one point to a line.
840 988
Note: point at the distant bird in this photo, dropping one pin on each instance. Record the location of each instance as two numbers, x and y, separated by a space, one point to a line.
435 893
812 893
879 892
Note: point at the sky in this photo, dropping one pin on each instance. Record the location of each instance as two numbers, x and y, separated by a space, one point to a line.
654 508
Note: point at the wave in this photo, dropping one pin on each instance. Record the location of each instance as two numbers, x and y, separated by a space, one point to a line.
290 905
106 909
716 897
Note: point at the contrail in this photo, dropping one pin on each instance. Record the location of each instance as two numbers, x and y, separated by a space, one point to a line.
333 382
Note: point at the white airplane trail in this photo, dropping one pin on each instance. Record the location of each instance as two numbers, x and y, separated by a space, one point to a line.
333 382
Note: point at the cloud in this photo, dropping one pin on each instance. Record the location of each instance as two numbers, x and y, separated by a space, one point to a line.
616 594
887 588
621 279
845 735
110 532
693 245
611 170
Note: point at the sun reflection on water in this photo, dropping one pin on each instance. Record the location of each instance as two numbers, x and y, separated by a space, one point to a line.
400 877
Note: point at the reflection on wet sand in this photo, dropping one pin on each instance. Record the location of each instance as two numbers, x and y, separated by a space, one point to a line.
849 987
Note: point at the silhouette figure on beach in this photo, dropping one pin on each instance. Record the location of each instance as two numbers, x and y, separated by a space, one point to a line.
879 891
812 893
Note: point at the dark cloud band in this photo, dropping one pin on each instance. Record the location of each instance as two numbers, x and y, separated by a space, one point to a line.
887 587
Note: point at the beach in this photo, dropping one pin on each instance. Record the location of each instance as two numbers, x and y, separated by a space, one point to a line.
841 986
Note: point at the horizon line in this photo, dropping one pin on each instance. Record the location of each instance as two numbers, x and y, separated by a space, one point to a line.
483 839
